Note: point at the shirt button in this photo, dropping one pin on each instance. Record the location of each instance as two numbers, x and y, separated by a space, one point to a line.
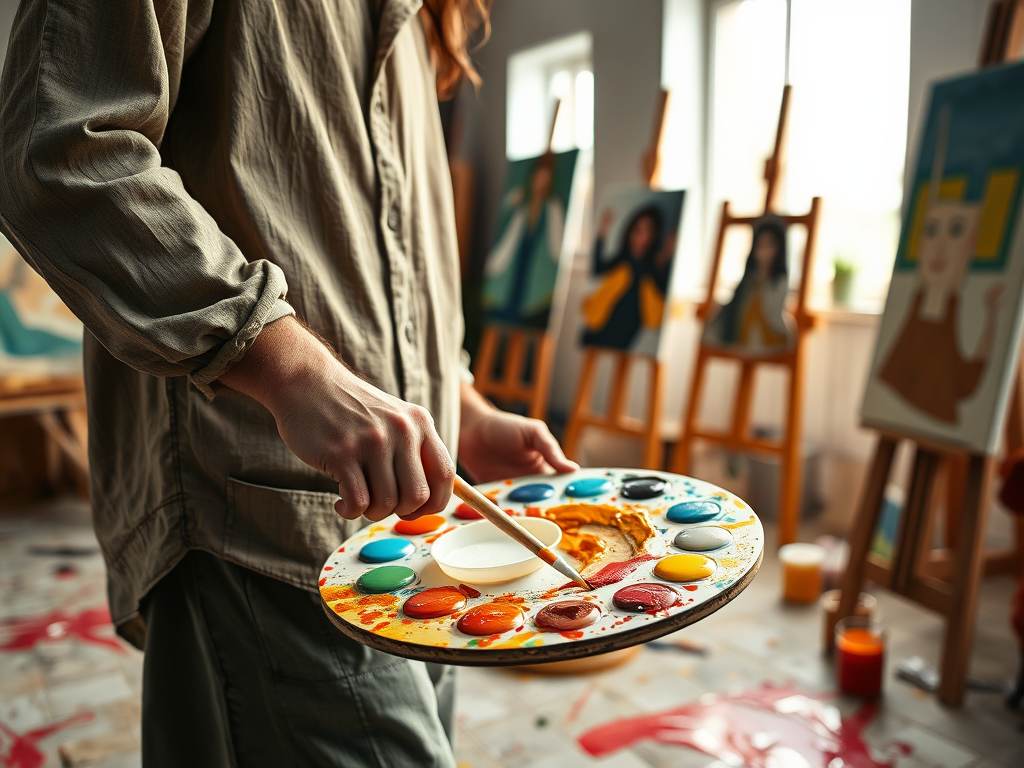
394 218
410 332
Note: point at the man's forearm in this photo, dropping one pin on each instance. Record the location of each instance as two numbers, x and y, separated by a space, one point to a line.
282 355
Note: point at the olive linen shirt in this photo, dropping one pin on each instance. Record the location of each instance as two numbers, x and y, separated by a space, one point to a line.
175 169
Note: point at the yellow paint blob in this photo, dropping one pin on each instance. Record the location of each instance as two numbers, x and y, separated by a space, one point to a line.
684 568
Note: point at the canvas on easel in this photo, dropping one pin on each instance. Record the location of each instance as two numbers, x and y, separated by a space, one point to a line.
947 346
758 326
945 369
626 306
525 276
523 267
631 269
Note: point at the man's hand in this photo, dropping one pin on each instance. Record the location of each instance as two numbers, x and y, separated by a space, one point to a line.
384 453
494 445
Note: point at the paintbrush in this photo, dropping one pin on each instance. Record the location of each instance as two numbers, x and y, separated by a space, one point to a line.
507 525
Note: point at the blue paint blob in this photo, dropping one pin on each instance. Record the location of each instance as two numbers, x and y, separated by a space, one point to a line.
385 550
643 487
533 492
587 487
694 511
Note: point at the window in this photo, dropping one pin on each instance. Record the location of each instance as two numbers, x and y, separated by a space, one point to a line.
537 78
849 64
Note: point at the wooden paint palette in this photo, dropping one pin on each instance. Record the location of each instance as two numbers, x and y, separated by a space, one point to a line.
663 551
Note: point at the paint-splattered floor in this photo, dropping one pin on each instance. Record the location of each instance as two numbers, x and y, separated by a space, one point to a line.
67 686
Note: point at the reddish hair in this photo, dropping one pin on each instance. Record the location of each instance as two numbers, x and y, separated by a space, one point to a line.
449 25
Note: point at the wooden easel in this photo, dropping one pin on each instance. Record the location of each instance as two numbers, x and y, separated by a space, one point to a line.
615 419
57 405
738 438
510 384
946 581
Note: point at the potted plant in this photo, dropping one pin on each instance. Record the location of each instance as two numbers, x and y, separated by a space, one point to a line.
843 280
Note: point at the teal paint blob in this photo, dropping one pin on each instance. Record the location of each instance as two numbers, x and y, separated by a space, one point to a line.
588 487
385 550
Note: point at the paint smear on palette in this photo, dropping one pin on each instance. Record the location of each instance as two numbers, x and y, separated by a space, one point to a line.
755 728
587 548
23 634
21 750
612 573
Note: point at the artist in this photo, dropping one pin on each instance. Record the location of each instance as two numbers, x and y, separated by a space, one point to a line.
248 205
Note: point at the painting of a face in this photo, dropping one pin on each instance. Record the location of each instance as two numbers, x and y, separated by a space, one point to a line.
540 181
641 237
765 250
947 242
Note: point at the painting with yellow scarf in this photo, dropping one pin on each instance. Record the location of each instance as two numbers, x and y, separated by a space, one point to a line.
631 270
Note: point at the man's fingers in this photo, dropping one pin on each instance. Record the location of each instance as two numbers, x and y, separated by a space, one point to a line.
380 474
540 439
355 497
413 489
440 473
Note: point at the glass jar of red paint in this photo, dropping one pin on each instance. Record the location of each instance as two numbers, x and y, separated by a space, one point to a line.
860 656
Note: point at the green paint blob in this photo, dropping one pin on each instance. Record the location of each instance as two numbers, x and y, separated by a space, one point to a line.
387 578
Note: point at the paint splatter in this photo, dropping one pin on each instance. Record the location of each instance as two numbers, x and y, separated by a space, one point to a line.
755 728
22 750
23 634
468 591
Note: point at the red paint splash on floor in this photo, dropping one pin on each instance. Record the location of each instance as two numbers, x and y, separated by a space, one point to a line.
22 750
755 728
23 634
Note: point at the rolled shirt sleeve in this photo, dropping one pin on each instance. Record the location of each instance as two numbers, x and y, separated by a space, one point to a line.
85 98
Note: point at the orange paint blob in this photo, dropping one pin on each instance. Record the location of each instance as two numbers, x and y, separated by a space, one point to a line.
424 524
491 619
434 603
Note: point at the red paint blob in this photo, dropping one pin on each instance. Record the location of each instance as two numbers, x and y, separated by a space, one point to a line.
572 635
466 512
756 727
434 603
567 615
468 591
424 524
491 619
322 581
645 598
690 587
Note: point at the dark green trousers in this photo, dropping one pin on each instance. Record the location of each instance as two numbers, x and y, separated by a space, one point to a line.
244 670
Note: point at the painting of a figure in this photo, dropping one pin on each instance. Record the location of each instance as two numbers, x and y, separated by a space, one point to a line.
522 270
754 320
37 331
947 348
632 269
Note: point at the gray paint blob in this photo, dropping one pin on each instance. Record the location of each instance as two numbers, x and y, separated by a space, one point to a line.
703 539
